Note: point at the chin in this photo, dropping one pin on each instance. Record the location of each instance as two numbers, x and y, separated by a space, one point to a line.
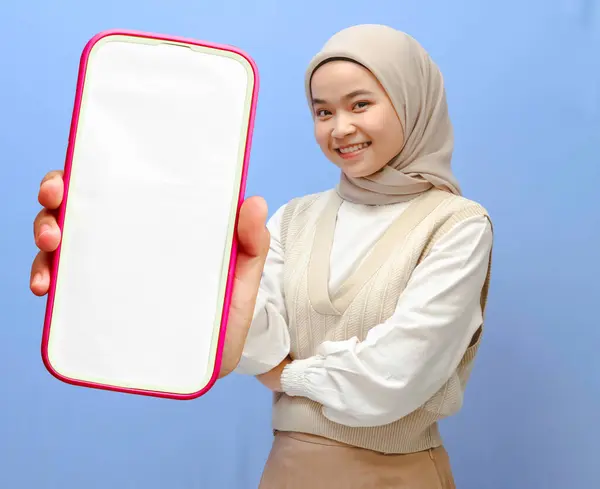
355 169
358 172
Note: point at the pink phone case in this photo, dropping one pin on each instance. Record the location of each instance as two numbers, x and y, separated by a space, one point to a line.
80 91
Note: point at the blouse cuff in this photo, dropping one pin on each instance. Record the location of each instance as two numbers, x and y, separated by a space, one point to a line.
294 381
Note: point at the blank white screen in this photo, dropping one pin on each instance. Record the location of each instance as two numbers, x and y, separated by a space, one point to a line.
152 196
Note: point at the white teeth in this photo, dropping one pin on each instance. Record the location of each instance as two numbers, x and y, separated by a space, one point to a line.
352 149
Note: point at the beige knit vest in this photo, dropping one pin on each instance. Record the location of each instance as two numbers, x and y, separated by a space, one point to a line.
367 298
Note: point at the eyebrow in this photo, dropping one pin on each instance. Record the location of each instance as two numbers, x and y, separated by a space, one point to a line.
351 95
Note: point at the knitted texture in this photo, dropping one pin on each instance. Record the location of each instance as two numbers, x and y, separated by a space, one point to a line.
367 298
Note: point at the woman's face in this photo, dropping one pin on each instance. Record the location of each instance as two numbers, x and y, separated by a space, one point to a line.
356 125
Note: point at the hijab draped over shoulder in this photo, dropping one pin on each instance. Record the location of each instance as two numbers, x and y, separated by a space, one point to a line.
415 87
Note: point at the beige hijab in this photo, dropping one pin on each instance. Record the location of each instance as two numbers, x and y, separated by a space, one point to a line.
416 88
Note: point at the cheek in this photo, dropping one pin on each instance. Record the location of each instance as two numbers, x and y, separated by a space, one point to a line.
322 135
387 132
395 136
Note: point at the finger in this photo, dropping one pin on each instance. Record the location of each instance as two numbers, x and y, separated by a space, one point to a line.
40 273
51 190
254 240
46 231
252 233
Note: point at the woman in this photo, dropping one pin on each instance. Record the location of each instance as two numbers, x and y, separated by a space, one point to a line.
370 306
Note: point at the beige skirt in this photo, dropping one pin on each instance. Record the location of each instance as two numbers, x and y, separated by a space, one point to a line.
301 461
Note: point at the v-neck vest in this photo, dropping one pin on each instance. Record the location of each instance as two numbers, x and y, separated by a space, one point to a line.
365 299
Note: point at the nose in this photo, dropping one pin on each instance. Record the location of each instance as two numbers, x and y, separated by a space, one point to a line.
342 127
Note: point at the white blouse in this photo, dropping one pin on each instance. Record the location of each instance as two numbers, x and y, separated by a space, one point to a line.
402 361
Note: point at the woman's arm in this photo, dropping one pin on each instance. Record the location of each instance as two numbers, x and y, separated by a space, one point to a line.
272 378
268 340
405 360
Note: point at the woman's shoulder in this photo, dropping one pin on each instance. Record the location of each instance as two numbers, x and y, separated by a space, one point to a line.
301 203
459 204
458 215
308 200
307 205
457 223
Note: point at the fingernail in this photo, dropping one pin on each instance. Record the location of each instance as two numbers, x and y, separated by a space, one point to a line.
37 279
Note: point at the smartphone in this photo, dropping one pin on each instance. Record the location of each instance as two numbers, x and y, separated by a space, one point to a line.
154 177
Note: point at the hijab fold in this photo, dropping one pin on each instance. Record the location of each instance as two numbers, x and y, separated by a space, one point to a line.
415 87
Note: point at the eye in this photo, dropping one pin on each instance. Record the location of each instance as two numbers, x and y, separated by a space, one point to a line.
322 113
361 105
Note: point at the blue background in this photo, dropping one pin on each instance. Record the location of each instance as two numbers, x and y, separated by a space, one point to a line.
523 82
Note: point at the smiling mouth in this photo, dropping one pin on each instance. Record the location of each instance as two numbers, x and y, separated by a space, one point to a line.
353 149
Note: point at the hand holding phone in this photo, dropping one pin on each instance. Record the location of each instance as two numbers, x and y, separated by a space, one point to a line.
142 283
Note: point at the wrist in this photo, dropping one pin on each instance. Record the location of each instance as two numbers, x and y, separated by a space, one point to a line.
280 369
293 378
272 378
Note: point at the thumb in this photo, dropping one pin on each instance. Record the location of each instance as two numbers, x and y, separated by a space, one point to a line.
253 236
253 246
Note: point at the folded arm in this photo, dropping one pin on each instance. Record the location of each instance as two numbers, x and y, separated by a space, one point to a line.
405 360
